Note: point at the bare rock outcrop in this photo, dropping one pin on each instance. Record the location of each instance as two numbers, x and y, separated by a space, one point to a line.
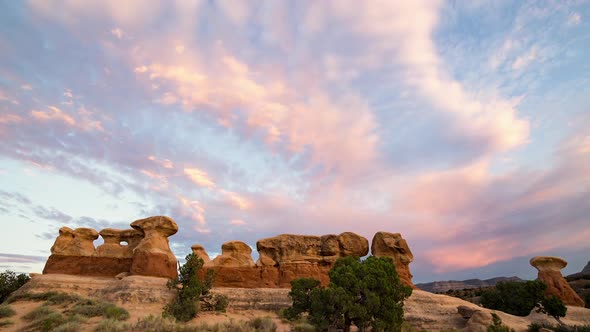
75 242
308 249
152 256
233 254
282 259
113 242
550 273
200 252
394 246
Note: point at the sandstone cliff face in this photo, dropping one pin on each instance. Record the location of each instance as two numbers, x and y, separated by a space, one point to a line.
550 273
143 250
394 246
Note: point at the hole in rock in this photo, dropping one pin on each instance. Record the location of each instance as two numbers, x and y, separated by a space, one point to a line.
124 243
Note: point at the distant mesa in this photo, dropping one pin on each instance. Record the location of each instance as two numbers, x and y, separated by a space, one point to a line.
444 286
585 272
144 250
550 273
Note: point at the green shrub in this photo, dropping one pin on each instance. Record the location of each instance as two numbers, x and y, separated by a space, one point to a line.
68 327
497 325
301 295
6 311
516 298
38 313
9 282
6 322
116 313
262 324
220 302
48 323
189 289
303 327
111 325
365 293
553 306
94 308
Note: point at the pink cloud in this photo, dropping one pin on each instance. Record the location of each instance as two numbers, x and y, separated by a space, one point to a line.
53 114
199 177
9 118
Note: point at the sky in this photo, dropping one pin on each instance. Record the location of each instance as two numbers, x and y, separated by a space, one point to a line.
462 125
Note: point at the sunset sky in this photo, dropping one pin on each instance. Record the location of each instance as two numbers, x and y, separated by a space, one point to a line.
462 125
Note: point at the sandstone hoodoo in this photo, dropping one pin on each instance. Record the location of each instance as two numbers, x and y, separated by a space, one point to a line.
152 256
200 252
143 250
550 273
233 254
286 257
394 246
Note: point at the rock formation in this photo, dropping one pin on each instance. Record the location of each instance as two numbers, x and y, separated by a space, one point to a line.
286 257
75 242
200 252
233 254
394 246
550 273
143 250
152 256
113 242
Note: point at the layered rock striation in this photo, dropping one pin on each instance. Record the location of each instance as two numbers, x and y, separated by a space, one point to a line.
142 250
550 273
286 257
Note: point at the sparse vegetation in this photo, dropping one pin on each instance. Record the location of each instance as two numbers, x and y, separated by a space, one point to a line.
9 282
497 325
94 308
111 325
77 309
168 324
49 297
189 289
362 293
39 312
6 311
536 327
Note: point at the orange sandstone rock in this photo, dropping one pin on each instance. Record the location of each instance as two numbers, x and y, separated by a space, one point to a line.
200 252
113 242
550 273
152 256
394 246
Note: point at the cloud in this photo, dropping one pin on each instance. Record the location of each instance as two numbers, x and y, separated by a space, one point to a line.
51 214
199 177
117 33
16 258
53 113
524 60
574 19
